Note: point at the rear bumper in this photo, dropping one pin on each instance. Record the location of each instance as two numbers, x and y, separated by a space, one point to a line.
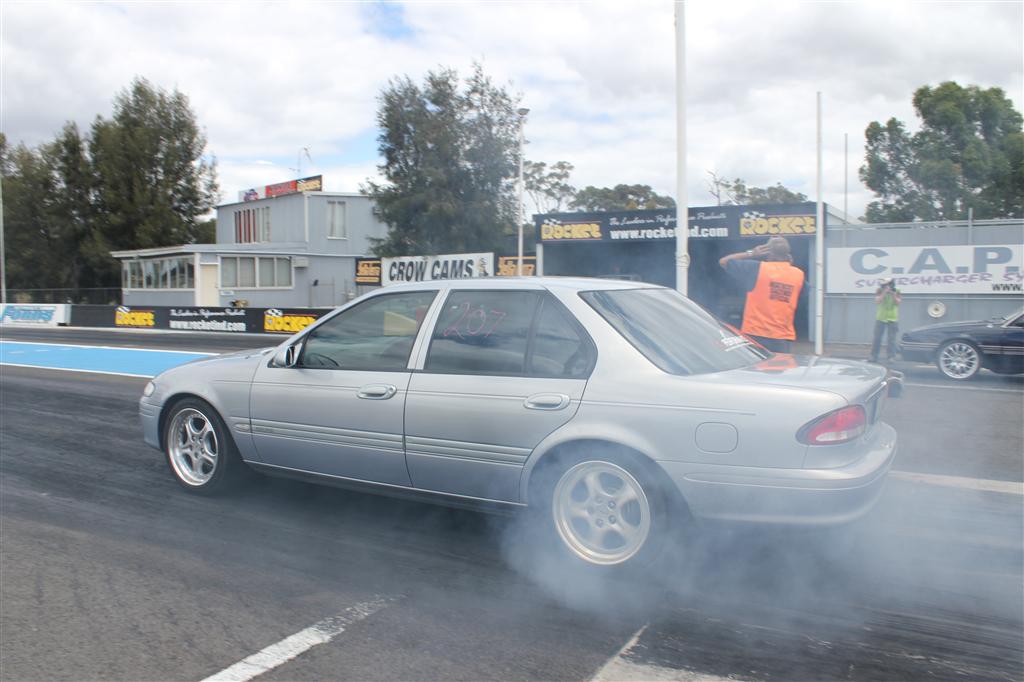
149 415
808 497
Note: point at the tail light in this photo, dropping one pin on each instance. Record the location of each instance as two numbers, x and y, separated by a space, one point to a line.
833 428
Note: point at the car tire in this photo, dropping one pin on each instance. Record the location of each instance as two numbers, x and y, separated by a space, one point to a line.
199 450
958 360
602 510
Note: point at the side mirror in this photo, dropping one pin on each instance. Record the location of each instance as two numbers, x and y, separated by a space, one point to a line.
287 356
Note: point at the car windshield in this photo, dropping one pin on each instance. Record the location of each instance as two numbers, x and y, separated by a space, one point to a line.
1007 318
674 333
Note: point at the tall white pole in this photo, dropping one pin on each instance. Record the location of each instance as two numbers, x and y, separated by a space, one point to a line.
519 214
682 212
3 256
819 255
846 177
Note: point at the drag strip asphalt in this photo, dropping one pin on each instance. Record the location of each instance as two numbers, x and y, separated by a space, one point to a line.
108 570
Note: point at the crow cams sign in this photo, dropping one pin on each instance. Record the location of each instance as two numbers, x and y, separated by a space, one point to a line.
427 268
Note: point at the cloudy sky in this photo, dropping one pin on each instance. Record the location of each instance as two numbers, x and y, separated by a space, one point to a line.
267 79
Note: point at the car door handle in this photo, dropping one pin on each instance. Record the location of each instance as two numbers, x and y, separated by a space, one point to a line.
546 401
377 391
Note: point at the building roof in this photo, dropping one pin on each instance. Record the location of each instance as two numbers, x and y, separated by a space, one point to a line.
349 195
270 249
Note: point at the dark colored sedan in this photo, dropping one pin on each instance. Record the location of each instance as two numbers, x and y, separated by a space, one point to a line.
961 349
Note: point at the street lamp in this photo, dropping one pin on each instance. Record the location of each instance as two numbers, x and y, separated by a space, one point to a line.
519 215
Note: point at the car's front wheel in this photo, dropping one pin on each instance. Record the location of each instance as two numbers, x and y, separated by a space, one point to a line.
958 360
604 510
199 449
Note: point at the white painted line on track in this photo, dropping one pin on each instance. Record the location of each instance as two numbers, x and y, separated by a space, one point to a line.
83 371
80 345
619 669
959 387
983 484
299 643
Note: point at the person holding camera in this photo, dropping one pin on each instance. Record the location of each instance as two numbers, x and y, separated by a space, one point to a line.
887 315
773 286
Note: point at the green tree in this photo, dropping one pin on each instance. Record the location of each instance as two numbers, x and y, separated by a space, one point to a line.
71 207
206 232
31 238
152 184
138 180
968 154
736 192
548 188
619 198
450 162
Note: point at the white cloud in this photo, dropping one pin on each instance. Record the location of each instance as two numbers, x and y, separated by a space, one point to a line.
267 79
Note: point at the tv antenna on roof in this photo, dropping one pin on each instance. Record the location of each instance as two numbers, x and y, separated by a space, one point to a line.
298 160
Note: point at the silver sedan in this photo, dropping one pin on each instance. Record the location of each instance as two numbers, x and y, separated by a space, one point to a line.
616 412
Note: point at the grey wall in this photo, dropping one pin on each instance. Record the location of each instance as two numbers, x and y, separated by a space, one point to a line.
362 224
288 226
286 219
333 277
850 318
144 297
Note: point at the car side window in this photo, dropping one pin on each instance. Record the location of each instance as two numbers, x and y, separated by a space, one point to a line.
483 332
376 335
559 349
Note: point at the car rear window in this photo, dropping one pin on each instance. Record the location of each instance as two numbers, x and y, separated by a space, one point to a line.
673 332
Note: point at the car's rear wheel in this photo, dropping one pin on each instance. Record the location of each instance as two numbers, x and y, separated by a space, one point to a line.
604 509
200 452
958 360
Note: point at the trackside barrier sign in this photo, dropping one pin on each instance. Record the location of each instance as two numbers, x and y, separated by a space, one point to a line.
708 222
198 319
35 315
289 321
980 269
207 319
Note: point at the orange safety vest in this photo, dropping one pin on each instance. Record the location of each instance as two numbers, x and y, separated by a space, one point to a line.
771 304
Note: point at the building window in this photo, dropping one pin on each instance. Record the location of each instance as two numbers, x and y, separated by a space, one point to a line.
255 272
336 227
159 273
252 225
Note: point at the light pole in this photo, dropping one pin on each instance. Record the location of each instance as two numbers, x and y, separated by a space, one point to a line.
519 215
682 205
3 256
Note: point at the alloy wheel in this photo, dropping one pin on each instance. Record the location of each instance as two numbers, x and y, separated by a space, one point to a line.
959 360
193 447
601 512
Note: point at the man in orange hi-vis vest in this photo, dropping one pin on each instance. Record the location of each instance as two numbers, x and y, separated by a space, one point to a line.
773 286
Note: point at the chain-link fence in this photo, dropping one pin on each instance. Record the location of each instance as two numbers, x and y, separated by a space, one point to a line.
98 295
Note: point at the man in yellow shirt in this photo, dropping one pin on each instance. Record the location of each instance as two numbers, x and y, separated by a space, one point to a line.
887 315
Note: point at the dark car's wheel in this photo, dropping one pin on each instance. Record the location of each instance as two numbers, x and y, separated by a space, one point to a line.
603 509
200 452
959 360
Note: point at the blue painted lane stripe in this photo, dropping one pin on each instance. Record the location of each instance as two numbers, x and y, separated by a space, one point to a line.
104 359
